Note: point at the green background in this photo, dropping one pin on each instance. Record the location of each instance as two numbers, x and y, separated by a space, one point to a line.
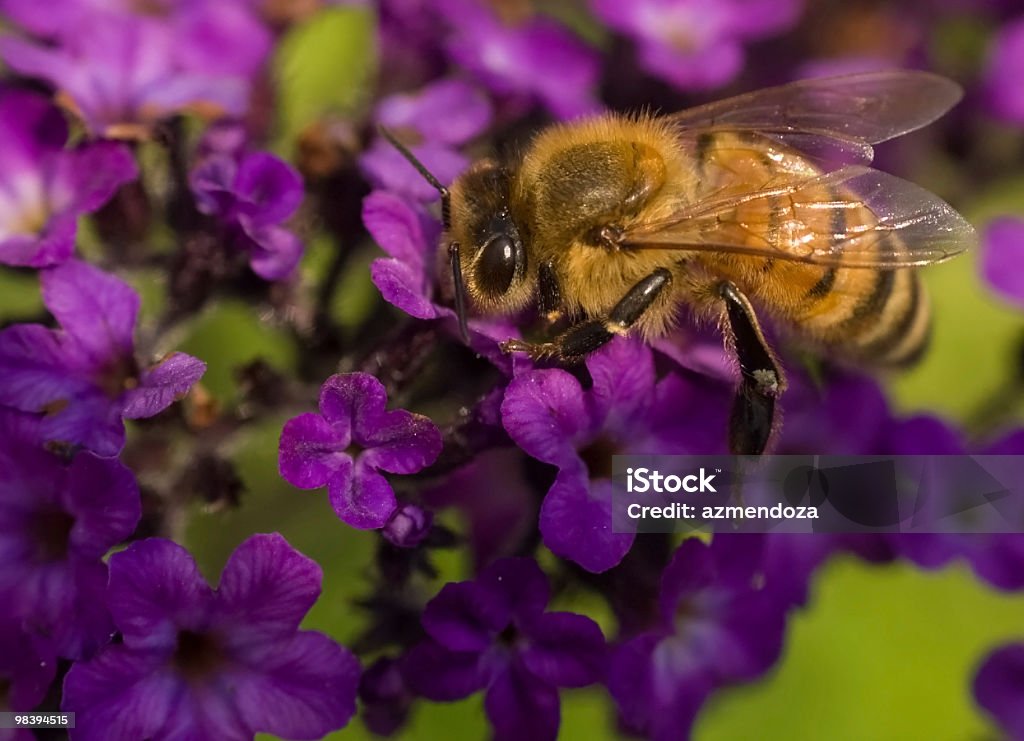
879 653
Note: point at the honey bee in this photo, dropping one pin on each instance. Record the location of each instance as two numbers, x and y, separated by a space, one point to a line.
761 204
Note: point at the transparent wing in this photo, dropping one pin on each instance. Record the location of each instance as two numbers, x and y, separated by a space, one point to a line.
835 118
852 217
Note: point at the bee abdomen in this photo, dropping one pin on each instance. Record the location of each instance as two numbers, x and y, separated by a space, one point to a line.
890 323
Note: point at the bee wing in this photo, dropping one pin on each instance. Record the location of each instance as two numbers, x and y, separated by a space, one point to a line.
852 217
830 118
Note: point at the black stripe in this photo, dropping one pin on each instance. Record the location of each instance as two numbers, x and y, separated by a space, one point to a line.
874 303
888 342
823 287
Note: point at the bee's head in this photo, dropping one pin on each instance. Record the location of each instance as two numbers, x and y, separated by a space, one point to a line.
492 253
486 245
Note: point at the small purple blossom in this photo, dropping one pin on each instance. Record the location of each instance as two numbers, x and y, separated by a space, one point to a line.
58 519
715 628
409 526
45 187
121 73
384 696
550 416
493 634
1003 72
251 194
225 663
696 44
535 59
433 123
350 443
999 688
84 378
1003 245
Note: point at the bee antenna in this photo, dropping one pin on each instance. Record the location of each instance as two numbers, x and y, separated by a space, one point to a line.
422 170
446 219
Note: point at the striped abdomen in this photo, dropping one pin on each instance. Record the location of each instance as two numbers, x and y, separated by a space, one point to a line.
867 314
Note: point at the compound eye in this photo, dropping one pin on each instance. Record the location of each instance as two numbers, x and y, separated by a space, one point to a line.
501 259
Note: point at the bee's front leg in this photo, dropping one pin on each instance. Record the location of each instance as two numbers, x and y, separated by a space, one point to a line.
753 411
584 338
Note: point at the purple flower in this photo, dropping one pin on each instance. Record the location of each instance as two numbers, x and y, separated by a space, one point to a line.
43 187
224 663
350 443
1003 255
409 526
384 696
549 415
57 521
536 59
696 44
714 629
1003 72
408 278
999 688
433 123
122 73
27 667
493 634
251 194
84 379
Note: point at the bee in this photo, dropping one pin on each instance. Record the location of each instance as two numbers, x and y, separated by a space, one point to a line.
758 205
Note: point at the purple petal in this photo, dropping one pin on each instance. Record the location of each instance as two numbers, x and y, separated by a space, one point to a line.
95 171
404 286
32 127
155 590
543 412
519 707
656 696
434 672
576 522
97 309
396 227
386 168
274 251
38 369
1002 256
27 666
520 584
352 401
92 421
447 112
267 587
466 617
401 442
1003 71
53 246
565 649
270 189
304 687
691 570
311 451
103 498
162 384
121 693
999 687
623 374
361 497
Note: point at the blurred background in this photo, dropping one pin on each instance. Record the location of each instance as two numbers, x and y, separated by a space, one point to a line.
881 651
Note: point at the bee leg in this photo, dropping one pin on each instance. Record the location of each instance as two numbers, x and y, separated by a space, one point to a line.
550 301
584 338
753 411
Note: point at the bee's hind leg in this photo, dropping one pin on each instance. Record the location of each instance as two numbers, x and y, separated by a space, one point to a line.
753 411
584 338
